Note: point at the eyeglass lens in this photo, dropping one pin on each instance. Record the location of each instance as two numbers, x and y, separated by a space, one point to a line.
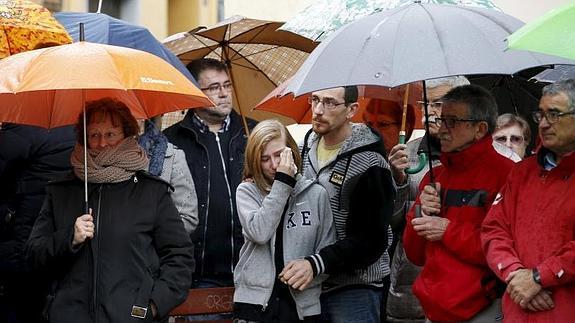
514 139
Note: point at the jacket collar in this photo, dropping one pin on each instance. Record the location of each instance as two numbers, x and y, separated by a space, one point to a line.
565 166
462 159
191 122
362 137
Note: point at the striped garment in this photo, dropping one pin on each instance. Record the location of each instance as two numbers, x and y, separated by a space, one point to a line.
361 153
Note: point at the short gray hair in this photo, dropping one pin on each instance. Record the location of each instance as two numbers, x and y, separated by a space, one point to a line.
451 81
480 103
566 86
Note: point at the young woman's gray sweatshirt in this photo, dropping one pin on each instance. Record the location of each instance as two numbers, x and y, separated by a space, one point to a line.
308 227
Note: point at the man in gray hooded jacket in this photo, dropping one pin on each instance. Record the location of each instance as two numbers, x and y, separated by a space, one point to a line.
348 160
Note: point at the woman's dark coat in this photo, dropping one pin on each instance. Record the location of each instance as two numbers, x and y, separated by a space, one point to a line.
139 253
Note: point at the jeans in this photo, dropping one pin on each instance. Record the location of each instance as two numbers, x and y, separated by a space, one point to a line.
359 304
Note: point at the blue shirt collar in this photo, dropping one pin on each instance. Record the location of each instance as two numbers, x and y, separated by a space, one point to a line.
549 161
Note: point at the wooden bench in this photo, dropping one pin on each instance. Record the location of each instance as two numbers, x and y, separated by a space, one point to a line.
205 301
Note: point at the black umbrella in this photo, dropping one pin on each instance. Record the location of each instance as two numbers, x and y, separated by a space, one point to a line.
515 94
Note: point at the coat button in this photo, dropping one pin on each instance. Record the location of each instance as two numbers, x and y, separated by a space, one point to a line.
204 167
203 205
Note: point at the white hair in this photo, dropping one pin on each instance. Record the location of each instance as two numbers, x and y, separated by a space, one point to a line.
451 81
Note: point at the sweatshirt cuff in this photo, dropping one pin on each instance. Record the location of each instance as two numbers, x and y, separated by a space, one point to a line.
317 264
285 178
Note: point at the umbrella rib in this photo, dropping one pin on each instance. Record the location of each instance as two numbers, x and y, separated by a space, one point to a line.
261 29
253 67
259 52
203 43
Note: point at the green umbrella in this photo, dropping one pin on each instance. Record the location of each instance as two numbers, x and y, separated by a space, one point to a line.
323 17
553 33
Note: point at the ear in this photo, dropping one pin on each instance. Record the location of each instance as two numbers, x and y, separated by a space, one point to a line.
353 108
482 130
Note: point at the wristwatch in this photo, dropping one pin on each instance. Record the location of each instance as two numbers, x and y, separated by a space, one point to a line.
536 276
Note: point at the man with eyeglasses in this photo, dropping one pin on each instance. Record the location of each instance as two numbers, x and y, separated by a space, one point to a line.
401 157
443 228
528 236
348 160
214 140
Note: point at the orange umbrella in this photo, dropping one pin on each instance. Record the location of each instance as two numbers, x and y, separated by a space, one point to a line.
48 87
26 26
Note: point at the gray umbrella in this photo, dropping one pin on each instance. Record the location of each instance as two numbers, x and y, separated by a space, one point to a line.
558 73
416 42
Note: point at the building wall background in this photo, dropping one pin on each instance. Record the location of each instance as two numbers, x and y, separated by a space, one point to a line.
282 10
167 17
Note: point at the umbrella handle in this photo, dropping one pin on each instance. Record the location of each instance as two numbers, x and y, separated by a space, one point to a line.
422 157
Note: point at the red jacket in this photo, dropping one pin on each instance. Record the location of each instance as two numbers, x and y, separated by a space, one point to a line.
531 225
456 283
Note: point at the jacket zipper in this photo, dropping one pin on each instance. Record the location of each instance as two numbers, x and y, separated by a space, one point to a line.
96 249
208 196
205 233
207 209
229 196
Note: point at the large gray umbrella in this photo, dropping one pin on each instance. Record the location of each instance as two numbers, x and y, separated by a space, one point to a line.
416 42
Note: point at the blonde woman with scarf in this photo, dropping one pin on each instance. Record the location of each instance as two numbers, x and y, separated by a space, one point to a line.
129 259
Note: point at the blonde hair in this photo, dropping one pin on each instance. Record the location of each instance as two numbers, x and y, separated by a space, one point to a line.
261 135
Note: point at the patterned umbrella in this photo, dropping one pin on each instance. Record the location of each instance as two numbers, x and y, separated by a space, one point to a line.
325 16
26 25
258 56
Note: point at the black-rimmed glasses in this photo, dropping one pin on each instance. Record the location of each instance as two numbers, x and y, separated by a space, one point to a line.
551 116
451 122
215 88
327 103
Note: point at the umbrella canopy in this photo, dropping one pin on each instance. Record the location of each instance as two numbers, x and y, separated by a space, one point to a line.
258 56
26 26
323 17
103 29
429 41
48 87
514 94
557 73
553 33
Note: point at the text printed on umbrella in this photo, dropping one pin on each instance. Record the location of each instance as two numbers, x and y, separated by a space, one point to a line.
155 81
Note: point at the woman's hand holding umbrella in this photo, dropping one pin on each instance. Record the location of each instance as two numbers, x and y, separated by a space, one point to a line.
83 228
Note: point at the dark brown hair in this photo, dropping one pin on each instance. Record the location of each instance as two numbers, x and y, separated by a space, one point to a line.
117 111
